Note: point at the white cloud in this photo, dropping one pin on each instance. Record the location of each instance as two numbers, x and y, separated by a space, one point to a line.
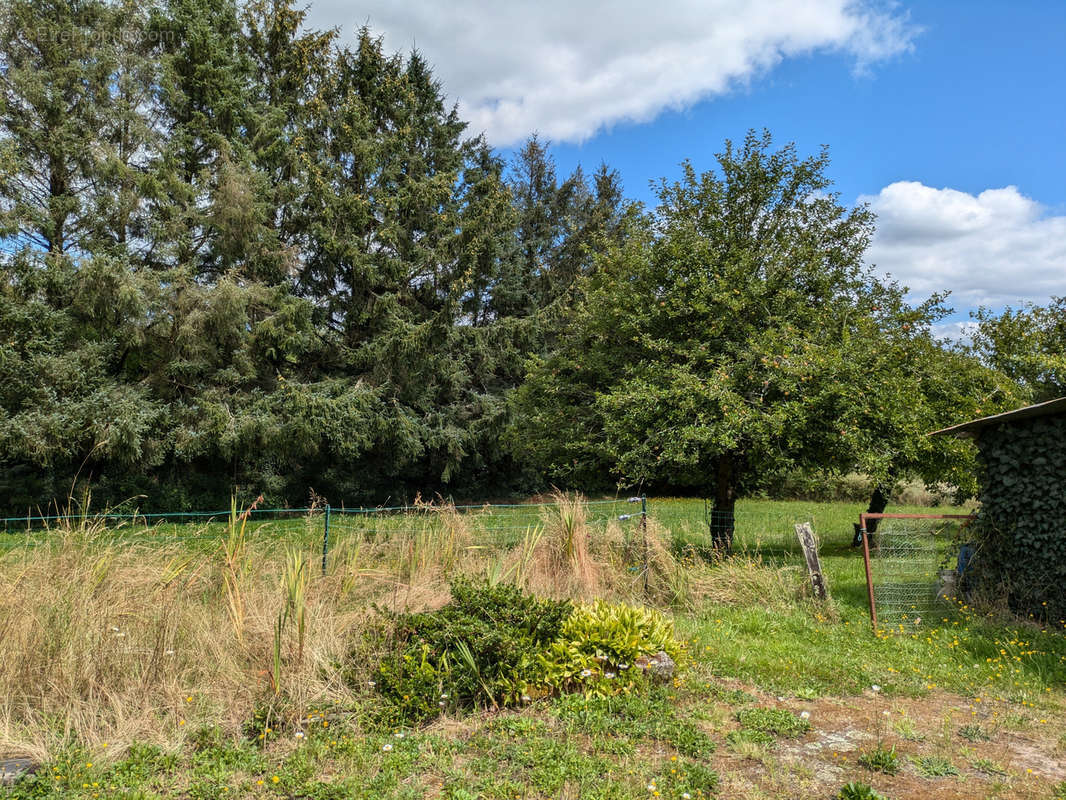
567 69
990 249
959 331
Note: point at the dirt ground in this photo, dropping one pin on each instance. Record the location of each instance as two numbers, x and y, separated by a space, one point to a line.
1000 749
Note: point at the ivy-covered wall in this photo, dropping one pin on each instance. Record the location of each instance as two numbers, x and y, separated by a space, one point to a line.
1021 528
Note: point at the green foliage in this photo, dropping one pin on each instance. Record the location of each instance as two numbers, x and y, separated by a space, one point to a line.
858 791
238 255
495 645
880 760
749 736
974 733
934 766
1020 550
988 766
776 721
483 647
686 779
598 647
1027 344
727 341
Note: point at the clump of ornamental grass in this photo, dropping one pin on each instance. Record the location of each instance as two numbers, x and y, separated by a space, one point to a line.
110 641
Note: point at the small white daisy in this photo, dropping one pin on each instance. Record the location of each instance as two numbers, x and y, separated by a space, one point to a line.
386 747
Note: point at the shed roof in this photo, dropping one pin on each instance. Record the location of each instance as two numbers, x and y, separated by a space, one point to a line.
972 428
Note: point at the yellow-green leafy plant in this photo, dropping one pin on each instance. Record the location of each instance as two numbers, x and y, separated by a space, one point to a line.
604 648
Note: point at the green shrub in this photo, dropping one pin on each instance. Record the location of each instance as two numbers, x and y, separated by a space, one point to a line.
483 647
599 646
496 645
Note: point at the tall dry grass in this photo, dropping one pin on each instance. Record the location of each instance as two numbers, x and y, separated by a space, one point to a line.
105 639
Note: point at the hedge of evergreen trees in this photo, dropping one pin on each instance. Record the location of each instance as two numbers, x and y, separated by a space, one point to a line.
238 253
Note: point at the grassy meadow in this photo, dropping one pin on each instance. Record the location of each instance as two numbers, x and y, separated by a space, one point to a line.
206 660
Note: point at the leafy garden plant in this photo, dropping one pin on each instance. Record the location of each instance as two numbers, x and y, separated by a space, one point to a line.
495 645
600 647
881 760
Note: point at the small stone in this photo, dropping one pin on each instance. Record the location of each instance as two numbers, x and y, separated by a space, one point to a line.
660 666
11 769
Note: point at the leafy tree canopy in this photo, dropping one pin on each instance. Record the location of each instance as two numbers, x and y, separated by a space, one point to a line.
735 334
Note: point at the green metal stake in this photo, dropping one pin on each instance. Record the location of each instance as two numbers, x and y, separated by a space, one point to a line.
325 540
644 538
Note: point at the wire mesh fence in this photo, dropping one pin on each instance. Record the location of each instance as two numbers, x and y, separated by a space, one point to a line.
768 533
403 535
912 567
324 528
266 526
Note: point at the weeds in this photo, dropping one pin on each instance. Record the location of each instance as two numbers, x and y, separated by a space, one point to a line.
988 766
858 791
880 760
934 766
776 721
974 733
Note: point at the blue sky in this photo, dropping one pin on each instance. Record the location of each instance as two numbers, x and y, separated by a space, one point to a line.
948 117
979 102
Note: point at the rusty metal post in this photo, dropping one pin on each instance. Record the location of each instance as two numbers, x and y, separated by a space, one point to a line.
869 577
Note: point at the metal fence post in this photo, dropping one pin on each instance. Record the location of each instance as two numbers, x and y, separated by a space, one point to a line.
644 538
325 540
